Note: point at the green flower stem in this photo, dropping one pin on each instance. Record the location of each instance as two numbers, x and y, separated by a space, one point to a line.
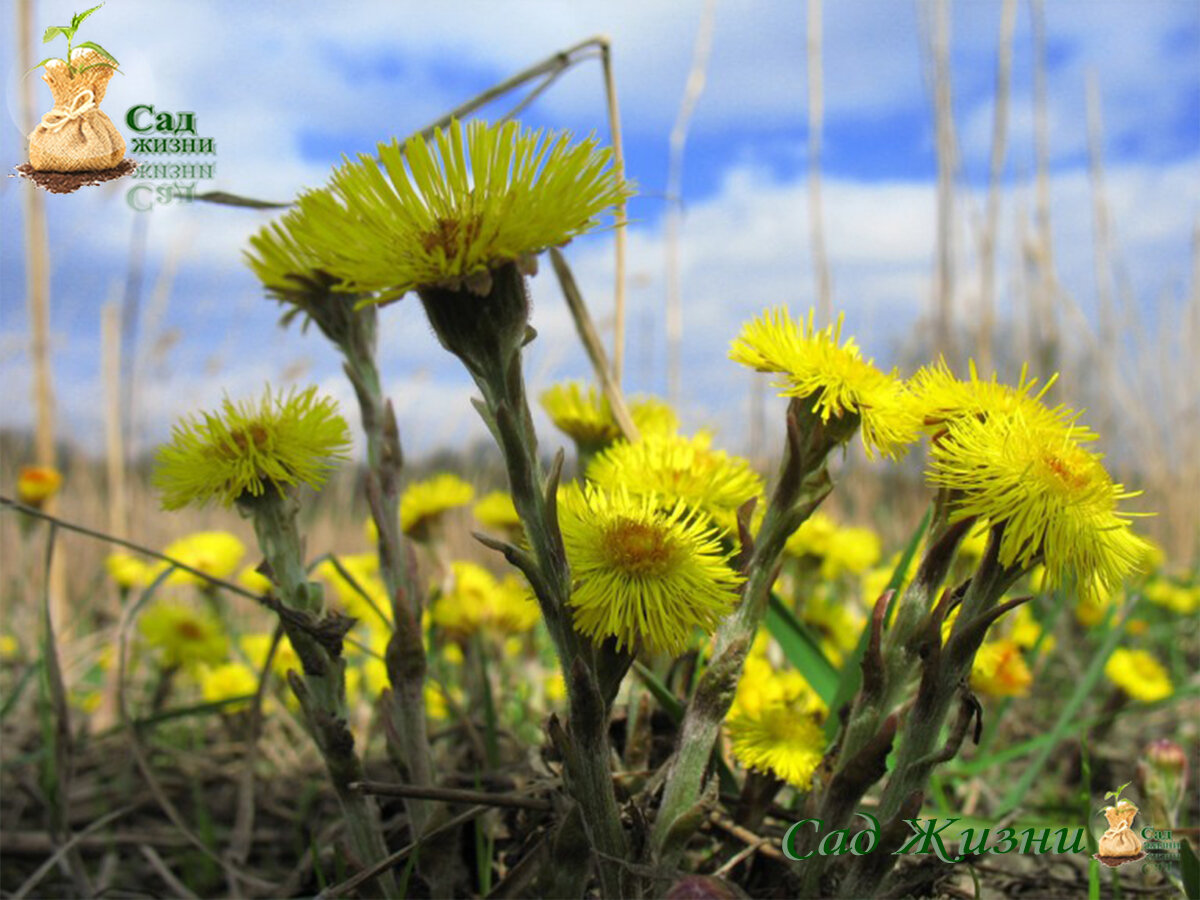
803 484
900 652
405 655
321 690
486 331
946 669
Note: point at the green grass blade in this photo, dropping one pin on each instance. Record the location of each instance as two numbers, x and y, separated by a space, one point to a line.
851 676
1066 720
10 701
670 704
1189 869
802 649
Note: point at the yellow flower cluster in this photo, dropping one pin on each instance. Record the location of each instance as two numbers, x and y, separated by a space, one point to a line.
215 553
816 366
681 468
423 503
583 414
840 550
1139 675
444 211
776 722
1010 461
476 600
648 572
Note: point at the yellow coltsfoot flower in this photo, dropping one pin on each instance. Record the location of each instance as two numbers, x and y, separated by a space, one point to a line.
37 484
583 414
184 636
246 449
229 681
447 210
775 724
815 365
647 572
999 670
496 510
423 503
215 553
675 467
940 397
1139 675
1054 498
128 571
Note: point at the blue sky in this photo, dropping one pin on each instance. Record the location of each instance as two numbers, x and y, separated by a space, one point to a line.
285 101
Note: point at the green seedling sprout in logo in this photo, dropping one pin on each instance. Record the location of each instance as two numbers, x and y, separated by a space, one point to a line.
1115 796
68 31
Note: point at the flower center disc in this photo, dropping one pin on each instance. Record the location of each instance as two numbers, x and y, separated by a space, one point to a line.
638 548
189 630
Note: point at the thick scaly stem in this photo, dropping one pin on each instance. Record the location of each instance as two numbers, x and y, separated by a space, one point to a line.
945 671
486 332
353 331
803 484
405 656
317 640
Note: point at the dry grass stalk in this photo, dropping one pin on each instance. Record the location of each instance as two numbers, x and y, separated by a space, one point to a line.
620 235
987 243
1044 319
1102 254
816 115
946 165
693 88
37 285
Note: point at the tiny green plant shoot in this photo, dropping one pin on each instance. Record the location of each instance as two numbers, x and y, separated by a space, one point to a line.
69 31
1115 796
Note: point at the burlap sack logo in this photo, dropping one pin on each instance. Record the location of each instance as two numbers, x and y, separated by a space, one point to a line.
75 143
1120 843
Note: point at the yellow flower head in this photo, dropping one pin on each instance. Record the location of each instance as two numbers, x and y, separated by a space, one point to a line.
839 625
445 210
1139 675
813 536
582 413
939 398
1054 497
840 384
248 448
185 636
852 550
477 600
678 468
357 596
37 484
1179 598
496 511
256 647
644 574
253 580
423 502
1026 630
10 649
653 416
130 572
227 681
999 670
775 724
215 553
